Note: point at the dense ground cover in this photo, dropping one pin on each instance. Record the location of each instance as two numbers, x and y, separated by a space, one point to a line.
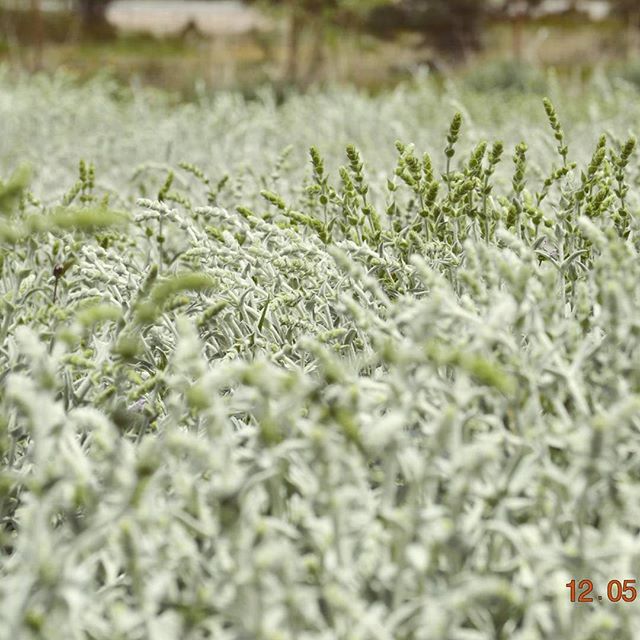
347 367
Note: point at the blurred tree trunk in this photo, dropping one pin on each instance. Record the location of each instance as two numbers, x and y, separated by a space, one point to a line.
517 36
37 34
519 15
294 37
317 54
633 33
629 13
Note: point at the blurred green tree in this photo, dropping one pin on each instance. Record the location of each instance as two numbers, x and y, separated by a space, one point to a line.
454 27
315 16
93 16
629 11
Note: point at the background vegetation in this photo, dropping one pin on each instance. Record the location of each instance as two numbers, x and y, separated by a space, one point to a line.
374 43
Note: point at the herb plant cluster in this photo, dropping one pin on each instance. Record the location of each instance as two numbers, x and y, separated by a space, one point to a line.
281 393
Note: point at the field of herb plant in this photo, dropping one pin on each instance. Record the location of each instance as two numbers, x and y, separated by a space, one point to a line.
351 367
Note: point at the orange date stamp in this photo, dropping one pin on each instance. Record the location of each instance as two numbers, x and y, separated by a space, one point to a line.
617 590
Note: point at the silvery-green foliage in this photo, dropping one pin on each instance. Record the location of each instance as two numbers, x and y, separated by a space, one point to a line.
386 394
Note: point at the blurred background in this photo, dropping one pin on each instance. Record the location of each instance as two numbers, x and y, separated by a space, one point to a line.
181 45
